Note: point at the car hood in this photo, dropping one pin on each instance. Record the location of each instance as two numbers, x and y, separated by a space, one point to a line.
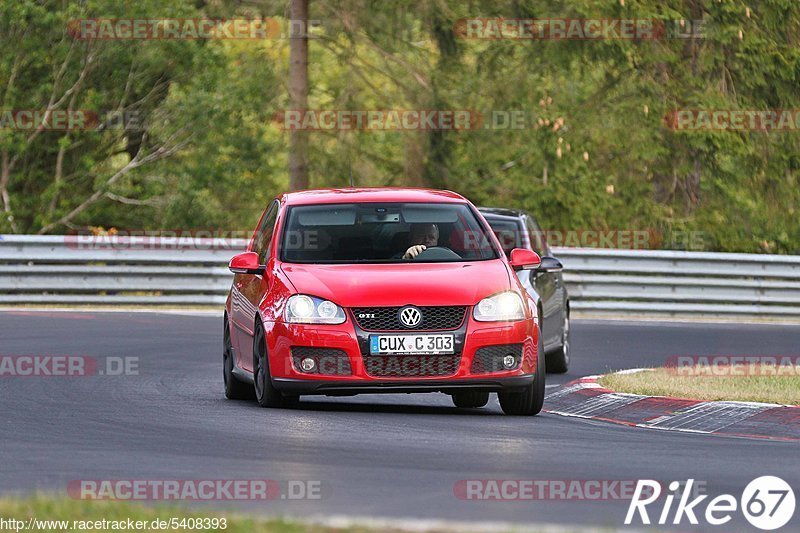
400 284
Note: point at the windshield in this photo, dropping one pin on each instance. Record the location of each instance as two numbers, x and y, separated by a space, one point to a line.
384 233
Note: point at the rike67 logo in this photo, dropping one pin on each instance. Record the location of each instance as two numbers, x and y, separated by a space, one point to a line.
767 503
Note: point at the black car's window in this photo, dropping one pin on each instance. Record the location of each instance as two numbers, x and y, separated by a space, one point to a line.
508 232
536 236
263 236
382 232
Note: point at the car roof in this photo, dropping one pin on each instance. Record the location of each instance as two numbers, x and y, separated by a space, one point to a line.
370 194
503 212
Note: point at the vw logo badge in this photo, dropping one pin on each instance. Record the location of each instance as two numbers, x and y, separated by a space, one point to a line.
410 316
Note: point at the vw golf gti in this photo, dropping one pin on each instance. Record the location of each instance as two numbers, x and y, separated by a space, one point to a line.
347 291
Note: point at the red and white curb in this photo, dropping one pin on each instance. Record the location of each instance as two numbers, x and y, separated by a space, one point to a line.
586 398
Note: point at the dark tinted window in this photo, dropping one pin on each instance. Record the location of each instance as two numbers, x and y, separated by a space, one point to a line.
381 233
263 236
508 232
536 236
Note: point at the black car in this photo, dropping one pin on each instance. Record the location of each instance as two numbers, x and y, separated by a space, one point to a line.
518 229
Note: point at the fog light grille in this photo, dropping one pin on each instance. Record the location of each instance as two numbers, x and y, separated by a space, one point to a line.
328 361
490 358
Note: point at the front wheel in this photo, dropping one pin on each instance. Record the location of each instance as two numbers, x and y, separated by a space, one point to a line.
234 389
529 401
266 393
558 361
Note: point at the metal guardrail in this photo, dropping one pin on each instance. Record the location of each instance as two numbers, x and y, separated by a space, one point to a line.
130 271
111 271
638 282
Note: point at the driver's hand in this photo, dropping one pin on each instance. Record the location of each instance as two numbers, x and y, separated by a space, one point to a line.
414 251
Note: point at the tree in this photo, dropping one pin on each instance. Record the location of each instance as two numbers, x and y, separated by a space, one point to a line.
298 92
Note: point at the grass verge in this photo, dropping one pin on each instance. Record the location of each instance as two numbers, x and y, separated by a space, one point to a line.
726 383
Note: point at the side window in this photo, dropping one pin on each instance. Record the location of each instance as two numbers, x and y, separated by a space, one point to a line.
536 236
263 236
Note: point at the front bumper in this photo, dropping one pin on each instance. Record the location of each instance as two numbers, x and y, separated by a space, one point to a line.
349 388
353 344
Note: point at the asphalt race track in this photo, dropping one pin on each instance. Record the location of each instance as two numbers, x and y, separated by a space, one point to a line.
382 456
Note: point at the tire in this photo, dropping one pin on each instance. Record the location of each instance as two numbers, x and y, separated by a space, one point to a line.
266 393
234 389
470 399
529 401
558 361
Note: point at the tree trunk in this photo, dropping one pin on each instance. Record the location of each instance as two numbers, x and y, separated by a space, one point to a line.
5 178
298 94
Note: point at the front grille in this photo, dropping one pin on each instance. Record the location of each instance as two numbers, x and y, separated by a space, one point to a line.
490 358
404 366
387 318
329 361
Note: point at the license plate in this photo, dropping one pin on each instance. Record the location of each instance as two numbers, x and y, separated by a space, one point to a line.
411 344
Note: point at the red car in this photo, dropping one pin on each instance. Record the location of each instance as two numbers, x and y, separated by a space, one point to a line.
347 291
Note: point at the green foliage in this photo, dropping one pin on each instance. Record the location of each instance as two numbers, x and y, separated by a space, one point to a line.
595 151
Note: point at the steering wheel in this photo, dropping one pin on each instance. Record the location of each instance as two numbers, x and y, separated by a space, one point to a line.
437 253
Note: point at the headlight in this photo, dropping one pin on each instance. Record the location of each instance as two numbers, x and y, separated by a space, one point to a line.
302 309
501 307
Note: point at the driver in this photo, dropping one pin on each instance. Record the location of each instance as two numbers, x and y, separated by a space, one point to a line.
421 237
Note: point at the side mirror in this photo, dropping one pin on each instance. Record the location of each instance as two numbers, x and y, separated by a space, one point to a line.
246 263
550 264
522 259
